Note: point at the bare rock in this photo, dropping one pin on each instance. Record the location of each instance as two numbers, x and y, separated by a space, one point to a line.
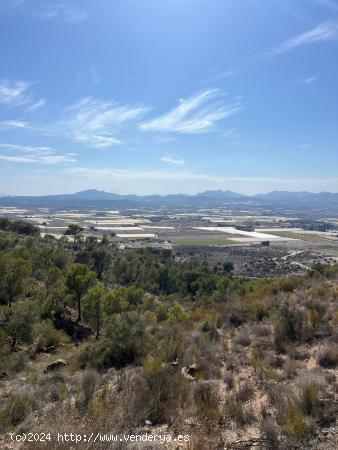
189 372
56 365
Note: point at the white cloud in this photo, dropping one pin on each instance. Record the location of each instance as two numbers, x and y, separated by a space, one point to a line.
308 80
37 105
326 31
232 133
54 159
173 159
16 93
35 154
13 124
28 148
304 145
96 122
18 159
197 114
13 92
63 12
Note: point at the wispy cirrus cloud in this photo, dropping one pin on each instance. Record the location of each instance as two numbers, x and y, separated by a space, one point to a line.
37 105
34 154
173 159
197 114
14 92
53 159
29 148
232 133
13 124
18 93
308 80
324 32
96 122
221 76
303 146
63 12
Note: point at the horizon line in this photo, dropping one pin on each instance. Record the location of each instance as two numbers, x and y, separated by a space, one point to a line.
169 194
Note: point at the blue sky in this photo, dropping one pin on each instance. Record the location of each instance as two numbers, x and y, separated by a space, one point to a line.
168 96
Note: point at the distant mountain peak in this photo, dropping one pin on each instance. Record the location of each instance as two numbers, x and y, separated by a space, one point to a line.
95 194
90 191
219 194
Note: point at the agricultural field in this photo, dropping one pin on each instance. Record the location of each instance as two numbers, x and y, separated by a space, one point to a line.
302 235
193 242
255 242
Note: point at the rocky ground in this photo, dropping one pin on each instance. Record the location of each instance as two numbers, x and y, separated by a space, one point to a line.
271 261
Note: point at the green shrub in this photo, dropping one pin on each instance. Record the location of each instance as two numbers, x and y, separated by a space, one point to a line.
296 425
19 326
328 357
176 314
47 336
166 390
308 387
242 338
258 310
17 362
288 284
18 407
125 340
4 421
173 345
89 381
233 410
207 400
57 392
289 325
315 313
161 313
335 319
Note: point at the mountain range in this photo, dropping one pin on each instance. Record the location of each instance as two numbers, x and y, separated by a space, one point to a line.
95 198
